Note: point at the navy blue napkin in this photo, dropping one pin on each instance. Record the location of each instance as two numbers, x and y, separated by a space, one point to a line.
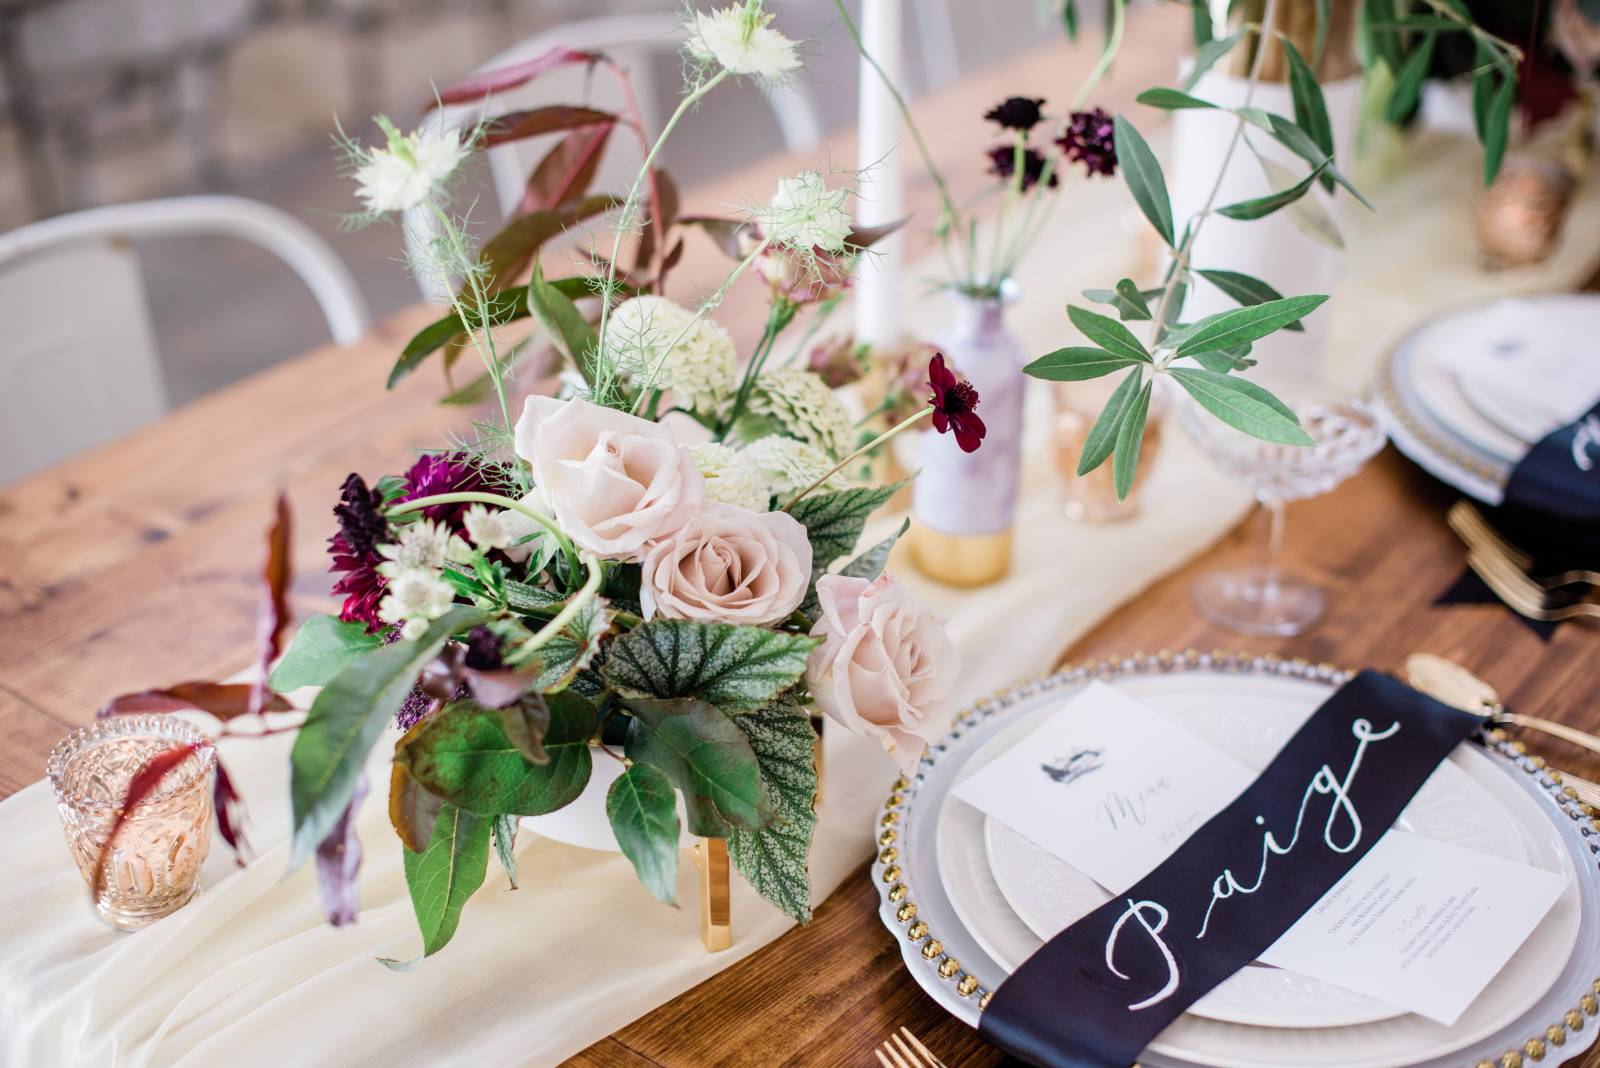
1095 995
1560 476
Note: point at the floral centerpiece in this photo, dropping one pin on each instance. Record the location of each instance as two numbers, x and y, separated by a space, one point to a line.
656 567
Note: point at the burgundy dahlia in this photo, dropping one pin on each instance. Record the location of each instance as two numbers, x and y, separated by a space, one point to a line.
1017 112
954 402
1003 162
354 549
1090 139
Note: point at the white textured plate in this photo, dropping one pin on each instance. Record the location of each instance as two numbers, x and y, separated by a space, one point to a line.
1521 1003
1528 365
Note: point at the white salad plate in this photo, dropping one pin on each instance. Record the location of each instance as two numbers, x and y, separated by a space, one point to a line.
965 935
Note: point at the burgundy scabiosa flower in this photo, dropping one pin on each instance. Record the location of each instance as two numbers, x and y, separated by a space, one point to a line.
1017 112
1003 162
1090 139
954 402
445 472
354 550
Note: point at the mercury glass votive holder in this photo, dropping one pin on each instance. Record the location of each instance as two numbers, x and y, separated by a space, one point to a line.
1092 498
154 866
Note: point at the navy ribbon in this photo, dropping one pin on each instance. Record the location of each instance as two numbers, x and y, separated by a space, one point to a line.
1095 995
1560 476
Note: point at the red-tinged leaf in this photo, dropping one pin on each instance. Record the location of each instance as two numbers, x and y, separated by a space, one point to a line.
567 170
520 125
663 213
867 236
223 700
339 862
476 88
274 611
670 260
229 806
413 810
725 232
142 785
507 254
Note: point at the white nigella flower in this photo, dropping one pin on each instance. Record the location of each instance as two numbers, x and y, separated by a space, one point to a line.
696 360
409 168
413 598
789 465
740 40
806 214
731 478
423 546
806 407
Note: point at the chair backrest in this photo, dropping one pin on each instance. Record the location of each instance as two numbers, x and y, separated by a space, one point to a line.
80 365
633 40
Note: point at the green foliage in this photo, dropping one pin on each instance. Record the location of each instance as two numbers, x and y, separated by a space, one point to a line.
1242 405
1246 291
1108 334
1130 435
1206 56
707 757
1102 437
1127 298
1260 207
1142 173
505 843
346 720
1408 81
1077 363
869 565
1171 100
734 668
834 521
643 812
1310 109
571 649
1497 128
565 324
775 859
322 647
442 877
483 759
1230 329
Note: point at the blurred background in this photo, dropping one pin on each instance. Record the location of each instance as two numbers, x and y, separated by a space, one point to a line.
110 101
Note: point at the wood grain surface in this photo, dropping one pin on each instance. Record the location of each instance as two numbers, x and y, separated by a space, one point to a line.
136 565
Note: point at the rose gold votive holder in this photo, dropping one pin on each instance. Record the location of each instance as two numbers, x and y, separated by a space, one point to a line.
1092 498
154 866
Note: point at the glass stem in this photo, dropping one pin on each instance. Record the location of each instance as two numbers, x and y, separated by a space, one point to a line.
1271 548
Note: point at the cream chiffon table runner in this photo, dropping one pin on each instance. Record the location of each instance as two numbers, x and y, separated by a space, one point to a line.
248 973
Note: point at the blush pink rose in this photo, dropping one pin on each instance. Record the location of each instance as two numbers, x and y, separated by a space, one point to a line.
728 565
886 665
614 481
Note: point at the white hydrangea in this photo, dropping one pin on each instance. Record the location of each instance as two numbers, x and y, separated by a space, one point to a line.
408 170
413 598
741 41
806 214
789 465
423 546
696 360
806 407
731 477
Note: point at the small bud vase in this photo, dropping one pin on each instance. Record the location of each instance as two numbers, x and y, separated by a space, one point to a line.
964 505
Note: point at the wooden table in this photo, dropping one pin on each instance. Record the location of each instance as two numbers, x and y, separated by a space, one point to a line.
136 565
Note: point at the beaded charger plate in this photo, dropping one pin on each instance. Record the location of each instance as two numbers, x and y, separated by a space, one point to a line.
1544 1005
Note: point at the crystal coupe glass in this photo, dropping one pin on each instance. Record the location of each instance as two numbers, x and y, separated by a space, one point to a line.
1262 598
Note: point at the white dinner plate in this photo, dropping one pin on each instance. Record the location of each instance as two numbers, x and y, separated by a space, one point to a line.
1528 365
1534 981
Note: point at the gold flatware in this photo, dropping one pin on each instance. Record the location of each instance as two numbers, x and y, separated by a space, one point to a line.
904 1050
1521 594
1447 681
1470 525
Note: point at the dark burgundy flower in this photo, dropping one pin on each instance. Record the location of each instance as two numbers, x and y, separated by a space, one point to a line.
954 402
1090 139
445 472
1003 162
354 550
1017 112
483 650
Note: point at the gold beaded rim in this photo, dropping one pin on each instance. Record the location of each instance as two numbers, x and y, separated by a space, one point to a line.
967 985
1448 451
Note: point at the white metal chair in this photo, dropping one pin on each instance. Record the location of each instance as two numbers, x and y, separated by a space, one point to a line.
632 40
80 364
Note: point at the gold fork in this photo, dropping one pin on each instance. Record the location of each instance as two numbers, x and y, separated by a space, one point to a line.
1470 525
905 1050
1521 593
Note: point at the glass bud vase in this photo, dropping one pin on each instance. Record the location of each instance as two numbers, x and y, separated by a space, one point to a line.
963 505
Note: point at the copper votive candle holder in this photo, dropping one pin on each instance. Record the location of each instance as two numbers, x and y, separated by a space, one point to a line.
154 866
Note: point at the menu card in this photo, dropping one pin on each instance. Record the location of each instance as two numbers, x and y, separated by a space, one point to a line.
1112 788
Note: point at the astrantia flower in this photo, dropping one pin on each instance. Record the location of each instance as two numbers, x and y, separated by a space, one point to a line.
1090 139
421 546
409 169
355 552
1017 112
731 478
789 466
741 41
806 214
1003 162
413 598
806 407
954 401
696 360
838 361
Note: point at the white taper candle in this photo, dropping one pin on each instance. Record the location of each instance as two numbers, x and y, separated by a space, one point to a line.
878 283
